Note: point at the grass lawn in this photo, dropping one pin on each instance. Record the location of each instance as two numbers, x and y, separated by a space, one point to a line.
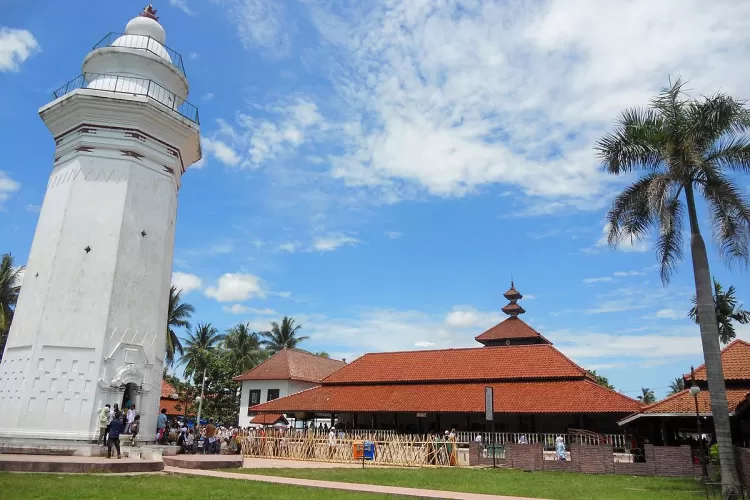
17 486
552 485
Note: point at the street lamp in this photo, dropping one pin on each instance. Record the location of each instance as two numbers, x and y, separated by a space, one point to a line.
694 391
199 400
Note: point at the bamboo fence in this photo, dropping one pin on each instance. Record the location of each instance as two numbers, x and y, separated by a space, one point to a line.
393 449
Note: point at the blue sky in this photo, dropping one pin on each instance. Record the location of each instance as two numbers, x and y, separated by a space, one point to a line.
380 172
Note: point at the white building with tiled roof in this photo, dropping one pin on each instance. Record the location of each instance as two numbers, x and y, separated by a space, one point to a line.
287 372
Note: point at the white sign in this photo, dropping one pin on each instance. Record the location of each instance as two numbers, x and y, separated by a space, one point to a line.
421 415
489 400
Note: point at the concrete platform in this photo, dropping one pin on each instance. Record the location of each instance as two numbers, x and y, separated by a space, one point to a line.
69 464
73 448
205 462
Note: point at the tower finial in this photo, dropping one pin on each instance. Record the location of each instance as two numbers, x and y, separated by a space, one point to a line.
513 308
149 12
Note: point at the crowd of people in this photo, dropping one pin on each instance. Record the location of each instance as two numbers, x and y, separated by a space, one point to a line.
114 423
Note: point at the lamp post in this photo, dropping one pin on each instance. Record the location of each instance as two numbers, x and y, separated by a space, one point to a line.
200 401
694 391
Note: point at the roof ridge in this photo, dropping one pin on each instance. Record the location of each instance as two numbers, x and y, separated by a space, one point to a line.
665 399
733 343
611 390
453 349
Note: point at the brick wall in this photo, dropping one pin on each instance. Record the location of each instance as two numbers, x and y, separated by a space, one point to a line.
673 461
743 465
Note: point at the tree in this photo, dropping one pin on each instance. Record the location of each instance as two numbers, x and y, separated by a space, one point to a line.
244 348
677 385
323 354
647 396
282 336
222 395
727 310
10 286
601 380
198 346
178 316
683 146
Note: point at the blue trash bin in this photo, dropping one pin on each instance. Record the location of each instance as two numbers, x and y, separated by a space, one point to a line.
369 450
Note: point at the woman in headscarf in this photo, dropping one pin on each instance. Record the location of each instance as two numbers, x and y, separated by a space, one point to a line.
560 448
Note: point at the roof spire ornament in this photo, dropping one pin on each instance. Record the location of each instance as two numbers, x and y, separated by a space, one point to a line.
149 12
513 309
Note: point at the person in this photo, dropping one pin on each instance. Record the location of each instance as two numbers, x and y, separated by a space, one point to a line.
103 423
116 428
522 439
190 441
161 424
134 427
210 436
560 448
130 418
332 442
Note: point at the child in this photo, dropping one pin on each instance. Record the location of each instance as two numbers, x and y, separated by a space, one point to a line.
134 429
190 441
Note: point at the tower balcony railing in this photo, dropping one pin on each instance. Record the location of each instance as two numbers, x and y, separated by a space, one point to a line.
131 85
143 42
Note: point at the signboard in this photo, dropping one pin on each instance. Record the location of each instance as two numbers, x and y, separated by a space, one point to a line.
421 415
489 400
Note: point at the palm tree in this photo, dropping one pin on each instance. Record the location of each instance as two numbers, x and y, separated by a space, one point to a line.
281 337
244 347
677 385
727 311
647 396
10 286
682 146
198 346
178 317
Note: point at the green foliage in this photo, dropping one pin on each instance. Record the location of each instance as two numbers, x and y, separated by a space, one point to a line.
601 380
677 385
222 394
10 286
281 336
727 311
178 316
647 396
244 348
198 347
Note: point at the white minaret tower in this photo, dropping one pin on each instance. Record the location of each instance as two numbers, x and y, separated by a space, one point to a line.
90 324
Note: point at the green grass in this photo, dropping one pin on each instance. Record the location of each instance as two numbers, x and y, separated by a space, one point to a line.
16 486
551 485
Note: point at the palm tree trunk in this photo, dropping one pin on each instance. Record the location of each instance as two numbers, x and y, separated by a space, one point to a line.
711 351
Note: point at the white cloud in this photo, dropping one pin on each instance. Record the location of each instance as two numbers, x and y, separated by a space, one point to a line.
625 244
591 281
33 208
200 163
260 25
529 297
183 6
283 295
241 309
193 56
393 234
208 96
445 100
16 45
289 247
623 274
7 187
186 282
236 287
671 314
223 152
331 242
459 318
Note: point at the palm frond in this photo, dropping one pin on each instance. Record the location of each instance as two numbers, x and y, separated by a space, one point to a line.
669 241
714 117
730 153
633 144
730 215
632 212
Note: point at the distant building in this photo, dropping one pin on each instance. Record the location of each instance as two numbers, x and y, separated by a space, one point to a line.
170 400
537 389
287 372
674 417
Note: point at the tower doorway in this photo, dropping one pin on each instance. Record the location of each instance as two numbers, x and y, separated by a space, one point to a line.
128 396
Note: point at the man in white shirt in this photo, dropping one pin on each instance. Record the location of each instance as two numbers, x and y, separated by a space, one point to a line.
130 418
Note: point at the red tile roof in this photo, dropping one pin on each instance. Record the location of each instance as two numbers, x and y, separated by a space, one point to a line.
167 389
453 365
293 364
683 402
561 396
510 328
268 419
735 359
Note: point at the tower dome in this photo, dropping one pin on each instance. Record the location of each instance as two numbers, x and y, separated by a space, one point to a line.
144 33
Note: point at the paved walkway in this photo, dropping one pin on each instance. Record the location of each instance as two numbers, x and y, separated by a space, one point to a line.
333 485
282 463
